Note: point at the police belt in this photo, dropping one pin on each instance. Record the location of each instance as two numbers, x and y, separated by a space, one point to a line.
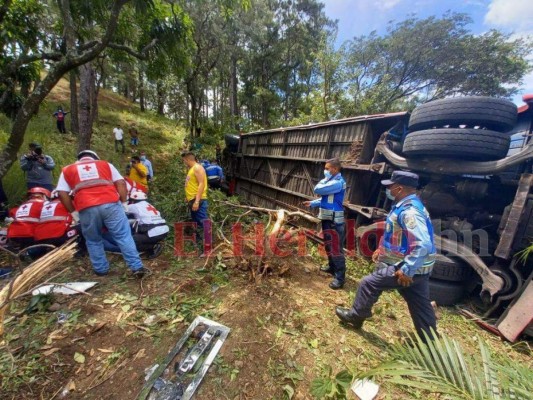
331 215
420 271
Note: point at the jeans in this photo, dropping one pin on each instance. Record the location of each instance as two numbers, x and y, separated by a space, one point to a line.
334 243
112 217
416 295
199 217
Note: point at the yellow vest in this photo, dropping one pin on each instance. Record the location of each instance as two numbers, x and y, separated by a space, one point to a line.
192 184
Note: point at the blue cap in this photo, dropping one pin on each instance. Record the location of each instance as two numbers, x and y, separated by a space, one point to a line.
402 178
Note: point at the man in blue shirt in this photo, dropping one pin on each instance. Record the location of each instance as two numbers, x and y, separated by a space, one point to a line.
404 259
215 175
148 164
331 213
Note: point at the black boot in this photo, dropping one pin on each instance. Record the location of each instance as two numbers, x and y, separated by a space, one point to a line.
346 316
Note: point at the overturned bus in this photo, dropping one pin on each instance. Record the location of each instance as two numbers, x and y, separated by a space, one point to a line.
473 156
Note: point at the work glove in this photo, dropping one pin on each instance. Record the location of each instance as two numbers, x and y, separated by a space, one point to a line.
125 206
75 216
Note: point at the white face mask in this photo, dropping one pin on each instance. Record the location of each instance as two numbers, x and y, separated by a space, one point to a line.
389 194
327 174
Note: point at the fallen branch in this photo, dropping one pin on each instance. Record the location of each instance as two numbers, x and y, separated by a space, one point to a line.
34 273
300 214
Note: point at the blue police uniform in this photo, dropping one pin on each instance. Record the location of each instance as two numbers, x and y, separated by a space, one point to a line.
215 176
407 244
331 213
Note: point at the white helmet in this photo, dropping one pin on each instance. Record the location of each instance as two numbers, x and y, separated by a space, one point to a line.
55 194
88 153
138 195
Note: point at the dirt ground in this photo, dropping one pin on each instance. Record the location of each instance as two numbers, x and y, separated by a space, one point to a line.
284 333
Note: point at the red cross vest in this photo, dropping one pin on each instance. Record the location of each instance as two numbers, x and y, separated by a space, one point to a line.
131 186
54 222
26 219
91 183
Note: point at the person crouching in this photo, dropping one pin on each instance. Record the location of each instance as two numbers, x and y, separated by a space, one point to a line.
55 223
25 218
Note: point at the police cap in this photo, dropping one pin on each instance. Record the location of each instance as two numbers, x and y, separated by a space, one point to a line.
403 178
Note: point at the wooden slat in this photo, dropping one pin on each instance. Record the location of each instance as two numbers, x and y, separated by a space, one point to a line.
511 226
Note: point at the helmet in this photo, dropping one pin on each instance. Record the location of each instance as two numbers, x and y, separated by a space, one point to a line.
138 195
39 190
54 195
89 153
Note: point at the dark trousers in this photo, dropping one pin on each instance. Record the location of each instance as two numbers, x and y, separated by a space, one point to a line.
121 143
61 126
416 295
334 243
199 217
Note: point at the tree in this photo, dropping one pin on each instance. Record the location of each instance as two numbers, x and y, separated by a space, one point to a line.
428 59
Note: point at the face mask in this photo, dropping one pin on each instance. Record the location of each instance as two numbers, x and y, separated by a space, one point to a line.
327 174
389 194
143 158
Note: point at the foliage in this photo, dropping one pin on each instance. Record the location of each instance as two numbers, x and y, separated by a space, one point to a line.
424 59
442 366
330 386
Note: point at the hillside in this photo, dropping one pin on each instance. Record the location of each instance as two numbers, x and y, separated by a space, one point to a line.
159 137
285 337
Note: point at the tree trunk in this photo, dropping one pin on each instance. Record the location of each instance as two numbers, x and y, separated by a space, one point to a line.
95 89
141 91
84 137
234 105
74 117
160 98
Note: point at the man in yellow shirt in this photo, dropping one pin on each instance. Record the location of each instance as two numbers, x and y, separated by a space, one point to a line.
196 195
138 172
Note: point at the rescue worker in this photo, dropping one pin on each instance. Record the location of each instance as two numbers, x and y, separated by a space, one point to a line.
331 213
404 258
98 190
132 185
215 175
149 228
196 196
55 223
26 217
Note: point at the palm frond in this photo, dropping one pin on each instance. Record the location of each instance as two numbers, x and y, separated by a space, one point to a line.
442 366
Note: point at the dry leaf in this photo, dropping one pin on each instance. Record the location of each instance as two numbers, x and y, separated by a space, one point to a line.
106 350
140 354
71 386
79 358
91 353
50 351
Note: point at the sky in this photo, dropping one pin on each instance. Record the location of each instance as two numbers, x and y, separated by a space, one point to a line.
360 17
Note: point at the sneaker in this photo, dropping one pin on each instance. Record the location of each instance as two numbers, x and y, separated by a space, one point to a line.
100 273
141 272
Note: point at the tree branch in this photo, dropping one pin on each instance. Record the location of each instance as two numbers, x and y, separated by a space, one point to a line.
141 55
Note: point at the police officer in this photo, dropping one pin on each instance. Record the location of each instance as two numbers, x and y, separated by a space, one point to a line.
331 213
404 258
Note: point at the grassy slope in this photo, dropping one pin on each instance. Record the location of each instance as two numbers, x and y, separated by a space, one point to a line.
160 137
284 331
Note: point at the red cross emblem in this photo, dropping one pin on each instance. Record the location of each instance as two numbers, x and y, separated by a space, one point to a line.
49 207
87 168
152 209
24 206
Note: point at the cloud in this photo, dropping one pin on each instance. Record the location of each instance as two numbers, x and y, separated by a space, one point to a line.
511 14
387 4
